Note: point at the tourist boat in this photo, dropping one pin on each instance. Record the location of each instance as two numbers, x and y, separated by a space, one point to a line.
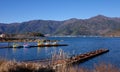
26 45
40 43
54 43
15 45
47 43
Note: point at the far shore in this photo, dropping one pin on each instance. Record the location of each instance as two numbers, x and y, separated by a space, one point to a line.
35 39
84 36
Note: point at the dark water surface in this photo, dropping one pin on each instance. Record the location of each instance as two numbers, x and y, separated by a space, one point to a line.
76 45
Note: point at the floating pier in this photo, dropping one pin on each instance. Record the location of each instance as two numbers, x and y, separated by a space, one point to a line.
80 58
72 60
36 46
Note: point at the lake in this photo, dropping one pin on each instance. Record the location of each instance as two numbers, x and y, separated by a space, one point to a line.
76 45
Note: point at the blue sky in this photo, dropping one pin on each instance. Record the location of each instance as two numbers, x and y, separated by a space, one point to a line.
25 10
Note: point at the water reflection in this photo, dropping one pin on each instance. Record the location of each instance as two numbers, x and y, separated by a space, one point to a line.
25 50
14 50
46 50
38 50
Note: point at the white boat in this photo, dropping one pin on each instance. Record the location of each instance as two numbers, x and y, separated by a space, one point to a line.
15 45
54 43
26 45
47 43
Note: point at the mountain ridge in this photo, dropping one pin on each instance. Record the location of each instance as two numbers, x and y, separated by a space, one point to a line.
97 25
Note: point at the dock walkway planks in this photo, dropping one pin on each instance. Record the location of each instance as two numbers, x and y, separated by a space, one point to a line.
81 57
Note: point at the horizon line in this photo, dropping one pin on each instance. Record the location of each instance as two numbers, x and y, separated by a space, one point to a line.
57 19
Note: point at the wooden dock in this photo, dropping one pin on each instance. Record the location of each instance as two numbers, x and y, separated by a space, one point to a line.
72 60
36 46
80 58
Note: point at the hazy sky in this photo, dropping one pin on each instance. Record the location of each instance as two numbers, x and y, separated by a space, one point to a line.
25 10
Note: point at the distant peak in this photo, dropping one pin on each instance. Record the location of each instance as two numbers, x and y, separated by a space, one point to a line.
73 19
100 17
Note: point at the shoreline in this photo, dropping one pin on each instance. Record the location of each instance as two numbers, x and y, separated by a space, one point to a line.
87 36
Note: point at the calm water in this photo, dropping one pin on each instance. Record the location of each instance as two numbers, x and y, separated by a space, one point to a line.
76 45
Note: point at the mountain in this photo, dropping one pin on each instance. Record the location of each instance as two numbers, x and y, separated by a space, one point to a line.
41 26
97 25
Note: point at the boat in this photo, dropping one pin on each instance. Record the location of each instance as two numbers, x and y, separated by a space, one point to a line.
54 43
26 45
47 43
40 43
15 45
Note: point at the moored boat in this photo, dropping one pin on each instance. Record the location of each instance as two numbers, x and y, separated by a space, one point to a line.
54 43
15 45
40 43
47 43
26 45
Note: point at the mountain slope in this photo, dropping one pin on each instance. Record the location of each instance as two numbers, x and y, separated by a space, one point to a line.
30 26
98 25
